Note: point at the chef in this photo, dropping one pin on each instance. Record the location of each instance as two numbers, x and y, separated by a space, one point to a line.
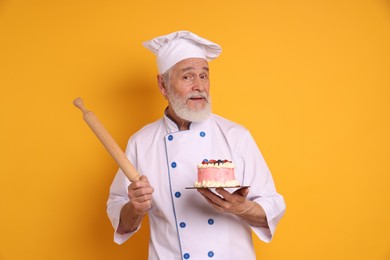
193 223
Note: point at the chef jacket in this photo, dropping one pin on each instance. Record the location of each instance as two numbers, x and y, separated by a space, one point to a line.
183 225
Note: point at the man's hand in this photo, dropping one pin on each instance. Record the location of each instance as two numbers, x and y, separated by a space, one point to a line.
140 194
234 203
237 204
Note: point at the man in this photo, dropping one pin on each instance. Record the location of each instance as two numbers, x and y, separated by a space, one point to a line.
189 223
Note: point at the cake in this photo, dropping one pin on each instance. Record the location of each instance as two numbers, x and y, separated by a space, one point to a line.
216 173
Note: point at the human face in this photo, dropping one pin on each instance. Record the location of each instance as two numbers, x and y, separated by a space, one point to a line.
188 90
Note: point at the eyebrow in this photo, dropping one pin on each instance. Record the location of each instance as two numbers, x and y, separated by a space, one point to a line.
191 68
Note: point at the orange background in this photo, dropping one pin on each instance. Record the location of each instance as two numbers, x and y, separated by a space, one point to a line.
310 79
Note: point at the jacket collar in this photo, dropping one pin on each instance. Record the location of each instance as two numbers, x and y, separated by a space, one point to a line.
173 128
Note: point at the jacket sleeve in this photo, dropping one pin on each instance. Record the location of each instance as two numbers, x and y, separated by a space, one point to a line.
262 188
117 199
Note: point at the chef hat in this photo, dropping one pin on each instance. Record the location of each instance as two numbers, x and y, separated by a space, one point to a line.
177 46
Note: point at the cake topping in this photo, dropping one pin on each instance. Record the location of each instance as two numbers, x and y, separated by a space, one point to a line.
216 163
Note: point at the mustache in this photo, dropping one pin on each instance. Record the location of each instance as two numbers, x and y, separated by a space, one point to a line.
198 95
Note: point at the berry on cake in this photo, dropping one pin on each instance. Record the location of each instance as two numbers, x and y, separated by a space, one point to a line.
216 173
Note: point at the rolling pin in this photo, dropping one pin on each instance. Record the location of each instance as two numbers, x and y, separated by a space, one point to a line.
109 143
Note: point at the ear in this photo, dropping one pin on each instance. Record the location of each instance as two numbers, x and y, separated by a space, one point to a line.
161 85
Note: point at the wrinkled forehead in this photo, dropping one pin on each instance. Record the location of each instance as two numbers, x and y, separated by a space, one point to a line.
191 64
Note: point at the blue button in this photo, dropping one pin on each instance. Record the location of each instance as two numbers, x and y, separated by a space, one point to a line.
182 224
170 137
186 256
210 221
202 134
210 253
177 194
173 165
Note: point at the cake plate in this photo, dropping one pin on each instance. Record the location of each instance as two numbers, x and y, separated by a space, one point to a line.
230 187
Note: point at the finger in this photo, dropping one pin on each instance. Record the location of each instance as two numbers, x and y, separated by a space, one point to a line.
204 191
144 178
212 197
242 192
208 193
142 183
141 192
142 198
138 184
224 193
213 204
142 208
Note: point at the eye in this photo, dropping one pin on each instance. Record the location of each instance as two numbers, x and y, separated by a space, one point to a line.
188 77
204 76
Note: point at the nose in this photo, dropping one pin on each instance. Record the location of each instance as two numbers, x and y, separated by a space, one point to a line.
198 85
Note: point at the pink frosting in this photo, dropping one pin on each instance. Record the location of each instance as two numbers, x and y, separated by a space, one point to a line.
220 175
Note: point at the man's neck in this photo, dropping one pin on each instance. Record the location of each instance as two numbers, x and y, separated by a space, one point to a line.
181 123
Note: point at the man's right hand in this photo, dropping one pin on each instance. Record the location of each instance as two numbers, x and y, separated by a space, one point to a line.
140 194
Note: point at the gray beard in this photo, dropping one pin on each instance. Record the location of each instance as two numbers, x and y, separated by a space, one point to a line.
179 106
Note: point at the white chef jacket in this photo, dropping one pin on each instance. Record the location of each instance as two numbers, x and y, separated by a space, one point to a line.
182 224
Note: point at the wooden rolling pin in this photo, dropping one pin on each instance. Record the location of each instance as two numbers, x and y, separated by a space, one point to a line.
108 142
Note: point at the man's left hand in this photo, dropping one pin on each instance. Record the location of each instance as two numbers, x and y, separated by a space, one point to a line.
235 203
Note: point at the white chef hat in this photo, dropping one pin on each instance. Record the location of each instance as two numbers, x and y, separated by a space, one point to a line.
177 46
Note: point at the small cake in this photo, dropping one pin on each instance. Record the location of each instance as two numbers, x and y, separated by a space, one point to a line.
216 173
